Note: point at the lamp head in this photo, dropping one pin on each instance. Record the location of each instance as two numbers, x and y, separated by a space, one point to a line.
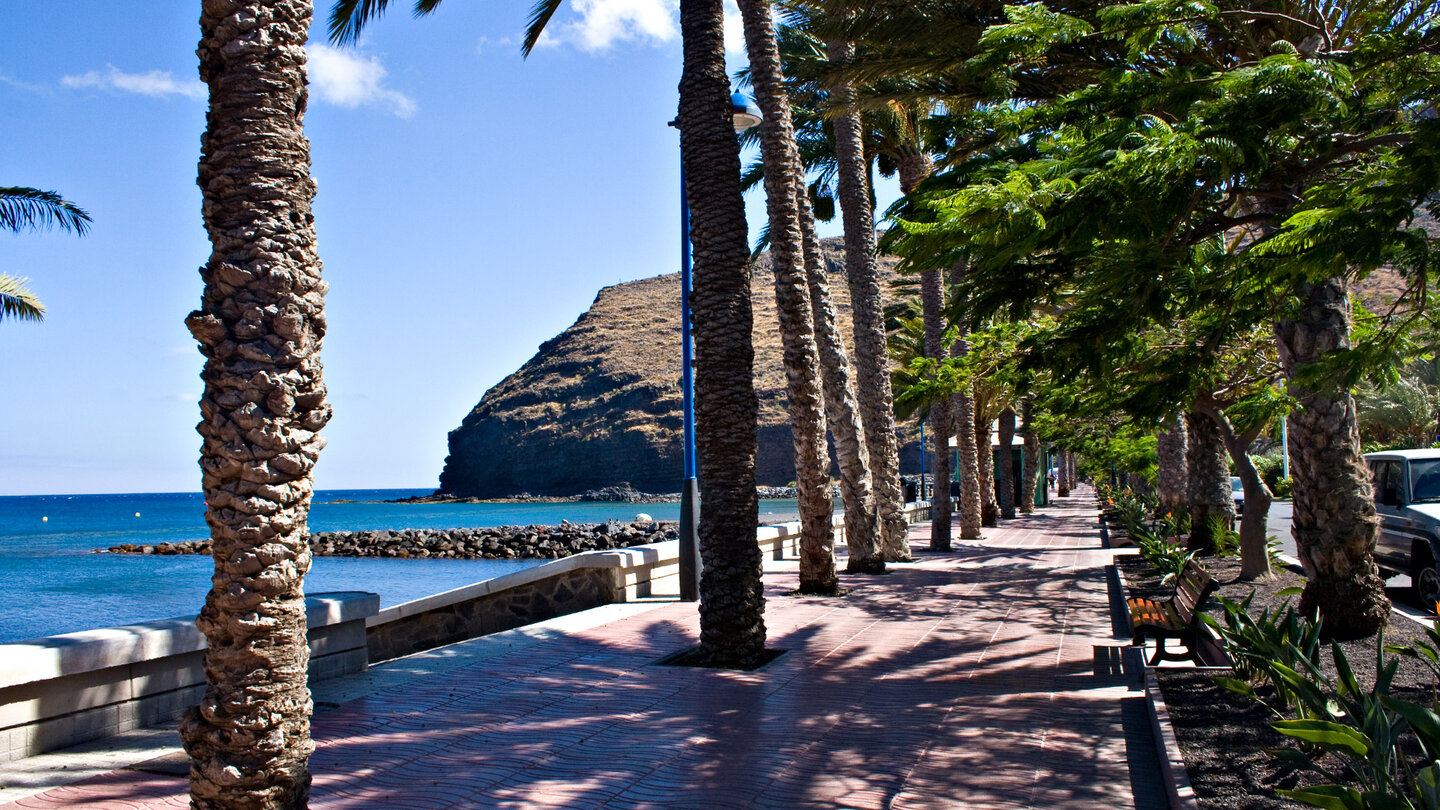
744 112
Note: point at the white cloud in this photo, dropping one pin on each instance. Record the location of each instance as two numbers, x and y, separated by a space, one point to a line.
348 79
604 23
155 83
734 29
487 44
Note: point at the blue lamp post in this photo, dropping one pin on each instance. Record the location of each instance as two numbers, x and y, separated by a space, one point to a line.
745 116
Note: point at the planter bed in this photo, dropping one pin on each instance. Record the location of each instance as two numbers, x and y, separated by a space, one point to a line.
1222 736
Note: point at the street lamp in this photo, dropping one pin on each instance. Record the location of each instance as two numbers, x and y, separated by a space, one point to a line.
745 115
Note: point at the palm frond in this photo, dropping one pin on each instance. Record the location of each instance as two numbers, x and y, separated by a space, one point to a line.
22 208
18 302
539 17
349 17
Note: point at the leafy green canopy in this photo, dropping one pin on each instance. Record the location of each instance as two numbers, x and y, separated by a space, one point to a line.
1207 160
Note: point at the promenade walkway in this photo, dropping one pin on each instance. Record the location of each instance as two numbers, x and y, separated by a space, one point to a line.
965 679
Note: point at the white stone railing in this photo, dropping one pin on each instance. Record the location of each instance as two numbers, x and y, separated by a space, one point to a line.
63 690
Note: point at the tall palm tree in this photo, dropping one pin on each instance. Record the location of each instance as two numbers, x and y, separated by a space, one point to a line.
24 208
932 301
260 325
873 390
792 302
1170 453
1335 523
986 411
732 601
862 524
1005 466
1208 474
1032 455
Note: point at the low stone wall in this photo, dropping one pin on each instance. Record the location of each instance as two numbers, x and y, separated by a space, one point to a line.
554 589
68 689
569 585
491 543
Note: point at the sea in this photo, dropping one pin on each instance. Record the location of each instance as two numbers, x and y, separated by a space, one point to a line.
52 581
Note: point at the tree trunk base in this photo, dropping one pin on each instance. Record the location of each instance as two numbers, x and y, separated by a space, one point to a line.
1348 608
874 565
818 589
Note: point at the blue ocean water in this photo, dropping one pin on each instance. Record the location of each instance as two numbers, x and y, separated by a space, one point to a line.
51 582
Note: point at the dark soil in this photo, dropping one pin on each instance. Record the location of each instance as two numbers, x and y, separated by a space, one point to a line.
1222 735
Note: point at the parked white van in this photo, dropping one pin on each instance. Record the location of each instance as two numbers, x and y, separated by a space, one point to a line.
1407 496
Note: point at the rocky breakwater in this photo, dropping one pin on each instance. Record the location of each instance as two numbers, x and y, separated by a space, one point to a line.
489 543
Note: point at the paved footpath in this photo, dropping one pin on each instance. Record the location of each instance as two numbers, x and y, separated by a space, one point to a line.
965 679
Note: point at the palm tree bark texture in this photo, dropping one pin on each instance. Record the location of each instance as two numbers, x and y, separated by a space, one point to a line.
862 524
1335 522
1208 474
792 303
1005 464
932 302
872 373
962 411
985 466
1032 456
732 602
1170 462
260 325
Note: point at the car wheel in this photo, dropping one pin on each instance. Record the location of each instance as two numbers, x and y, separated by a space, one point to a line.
1424 578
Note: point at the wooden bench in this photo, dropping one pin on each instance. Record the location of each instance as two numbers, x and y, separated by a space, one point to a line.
1174 618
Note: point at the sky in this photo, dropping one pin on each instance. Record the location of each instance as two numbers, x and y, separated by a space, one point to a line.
471 204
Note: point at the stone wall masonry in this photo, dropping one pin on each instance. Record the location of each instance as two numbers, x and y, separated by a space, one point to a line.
492 543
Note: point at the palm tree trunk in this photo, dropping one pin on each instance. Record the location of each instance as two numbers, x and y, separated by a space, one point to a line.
1005 473
732 602
862 525
985 464
1208 473
963 410
933 303
783 175
872 373
1032 457
260 325
1171 478
1334 523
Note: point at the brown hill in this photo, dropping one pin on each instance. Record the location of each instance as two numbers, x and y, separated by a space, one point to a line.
599 403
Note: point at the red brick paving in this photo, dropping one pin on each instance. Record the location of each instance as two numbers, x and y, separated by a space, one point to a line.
965 679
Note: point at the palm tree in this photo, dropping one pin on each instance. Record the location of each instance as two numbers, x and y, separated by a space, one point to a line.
1032 455
260 325
1005 468
17 302
1208 475
1406 410
1335 524
792 302
23 208
1170 452
963 412
732 601
932 302
873 391
862 524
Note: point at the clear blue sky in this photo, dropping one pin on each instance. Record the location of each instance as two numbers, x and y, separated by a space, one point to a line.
470 206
